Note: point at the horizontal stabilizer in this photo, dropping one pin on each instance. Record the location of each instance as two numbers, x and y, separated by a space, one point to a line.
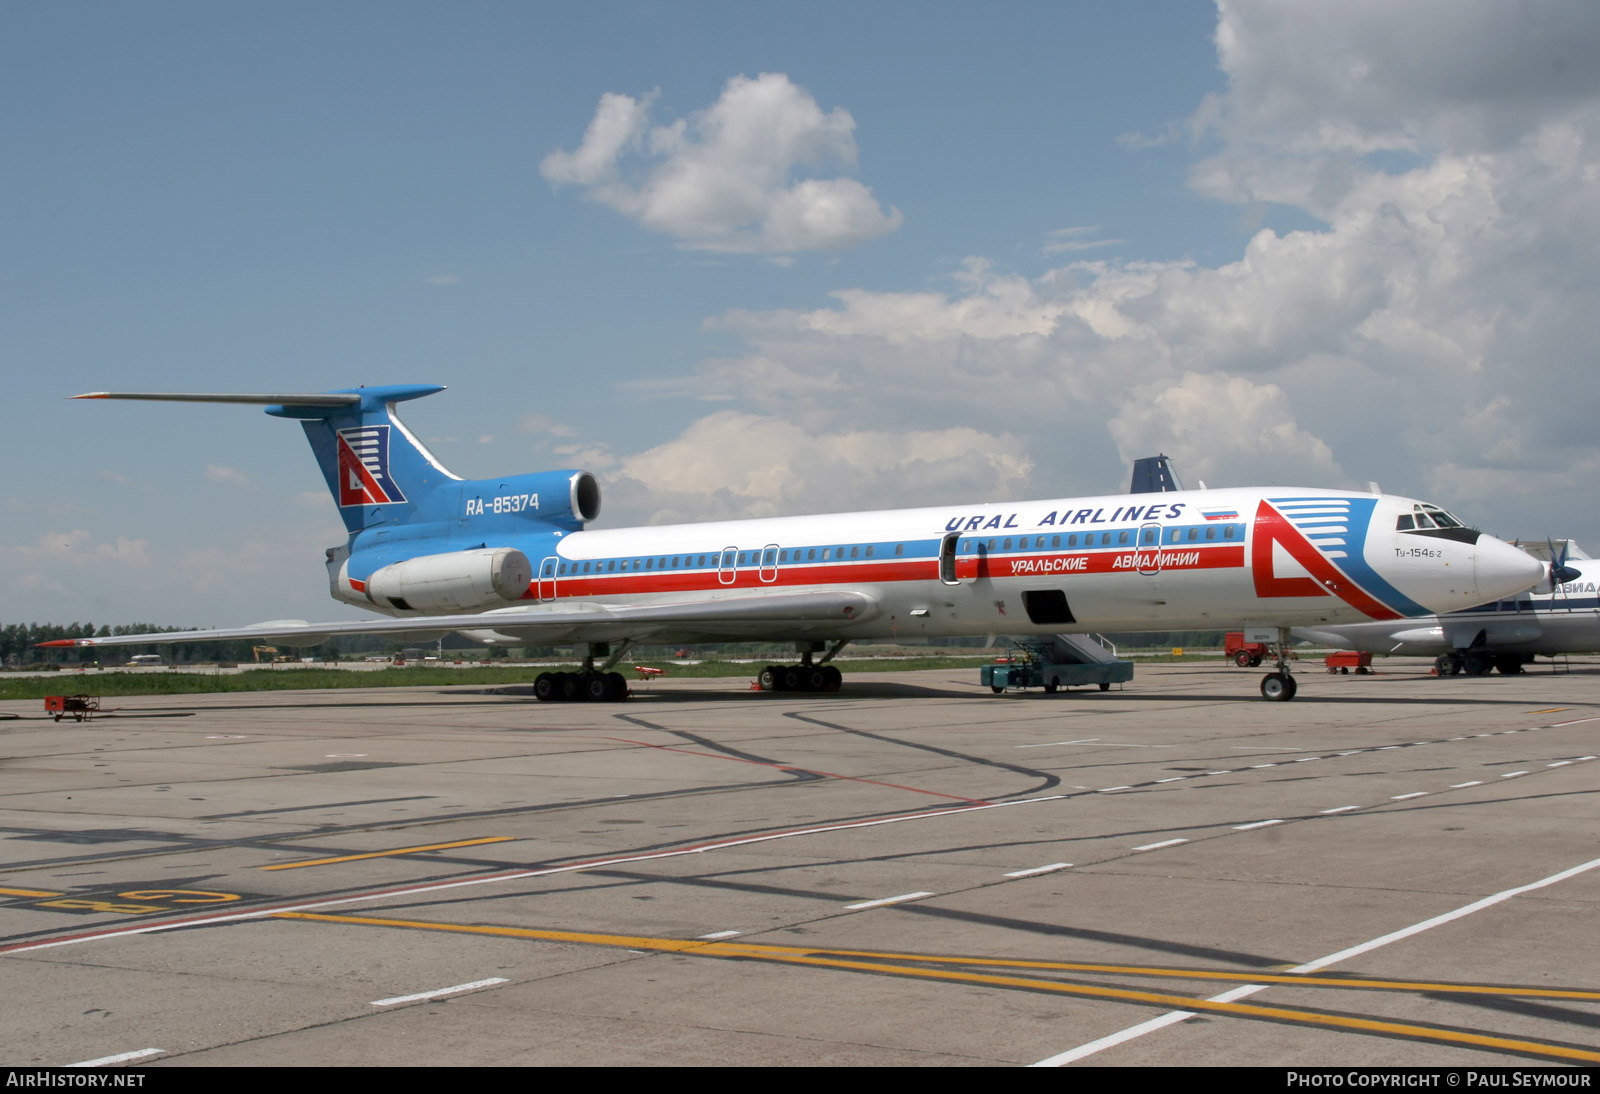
311 399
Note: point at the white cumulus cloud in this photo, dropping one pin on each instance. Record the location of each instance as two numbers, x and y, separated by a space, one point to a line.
744 175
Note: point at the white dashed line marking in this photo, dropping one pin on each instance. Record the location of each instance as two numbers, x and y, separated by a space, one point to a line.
1341 809
1054 866
1463 786
1163 843
1512 774
120 1058
1109 789
1257 824
1174 779
718 934
886 900
1413 794
437 992
1559 763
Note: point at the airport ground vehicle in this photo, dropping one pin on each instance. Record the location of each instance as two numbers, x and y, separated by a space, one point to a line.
1247 655
1064 661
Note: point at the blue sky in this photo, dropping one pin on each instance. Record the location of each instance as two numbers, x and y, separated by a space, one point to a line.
1083 232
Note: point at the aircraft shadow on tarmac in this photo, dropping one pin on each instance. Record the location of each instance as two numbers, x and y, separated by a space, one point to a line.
877 692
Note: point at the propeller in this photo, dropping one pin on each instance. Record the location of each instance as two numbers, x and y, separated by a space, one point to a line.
1560 572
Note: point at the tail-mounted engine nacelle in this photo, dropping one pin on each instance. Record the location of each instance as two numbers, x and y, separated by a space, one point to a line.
567 499
460 581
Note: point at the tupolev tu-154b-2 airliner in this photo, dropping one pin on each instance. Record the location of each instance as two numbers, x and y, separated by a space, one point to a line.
511 560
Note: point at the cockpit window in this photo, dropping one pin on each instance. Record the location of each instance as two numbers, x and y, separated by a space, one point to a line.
1445 520
1405 523
1428 516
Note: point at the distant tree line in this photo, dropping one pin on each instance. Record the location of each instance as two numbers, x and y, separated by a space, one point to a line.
19 646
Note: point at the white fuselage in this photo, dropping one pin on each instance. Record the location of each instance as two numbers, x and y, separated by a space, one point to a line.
1191 559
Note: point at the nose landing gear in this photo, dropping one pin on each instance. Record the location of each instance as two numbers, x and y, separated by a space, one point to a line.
1279 686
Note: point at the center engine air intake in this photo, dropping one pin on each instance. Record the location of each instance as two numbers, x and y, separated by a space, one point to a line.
460 581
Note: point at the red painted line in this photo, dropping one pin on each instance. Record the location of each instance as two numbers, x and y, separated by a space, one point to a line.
803 770
1187 555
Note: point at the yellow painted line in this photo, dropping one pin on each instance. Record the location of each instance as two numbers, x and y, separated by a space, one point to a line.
26 892
759 949
631 942
1243 1010
800 956
386 854
1549 710
1196 974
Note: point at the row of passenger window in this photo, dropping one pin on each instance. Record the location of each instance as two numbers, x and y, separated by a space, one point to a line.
1147 538
773 556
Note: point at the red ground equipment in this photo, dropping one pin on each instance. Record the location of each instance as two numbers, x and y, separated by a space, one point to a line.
77 707
1345 660
1247 655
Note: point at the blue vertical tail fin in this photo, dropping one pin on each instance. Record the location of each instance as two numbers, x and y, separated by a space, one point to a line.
376 469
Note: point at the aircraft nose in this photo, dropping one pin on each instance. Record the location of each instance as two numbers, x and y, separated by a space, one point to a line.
1502 570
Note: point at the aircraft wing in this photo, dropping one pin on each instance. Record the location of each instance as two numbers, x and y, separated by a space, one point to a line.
779 616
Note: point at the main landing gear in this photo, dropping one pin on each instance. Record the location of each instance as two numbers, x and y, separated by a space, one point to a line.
1279 686
802 677
592 685
580 687
1473 663
805 676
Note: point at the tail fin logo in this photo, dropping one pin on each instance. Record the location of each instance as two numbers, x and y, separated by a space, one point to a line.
364 467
